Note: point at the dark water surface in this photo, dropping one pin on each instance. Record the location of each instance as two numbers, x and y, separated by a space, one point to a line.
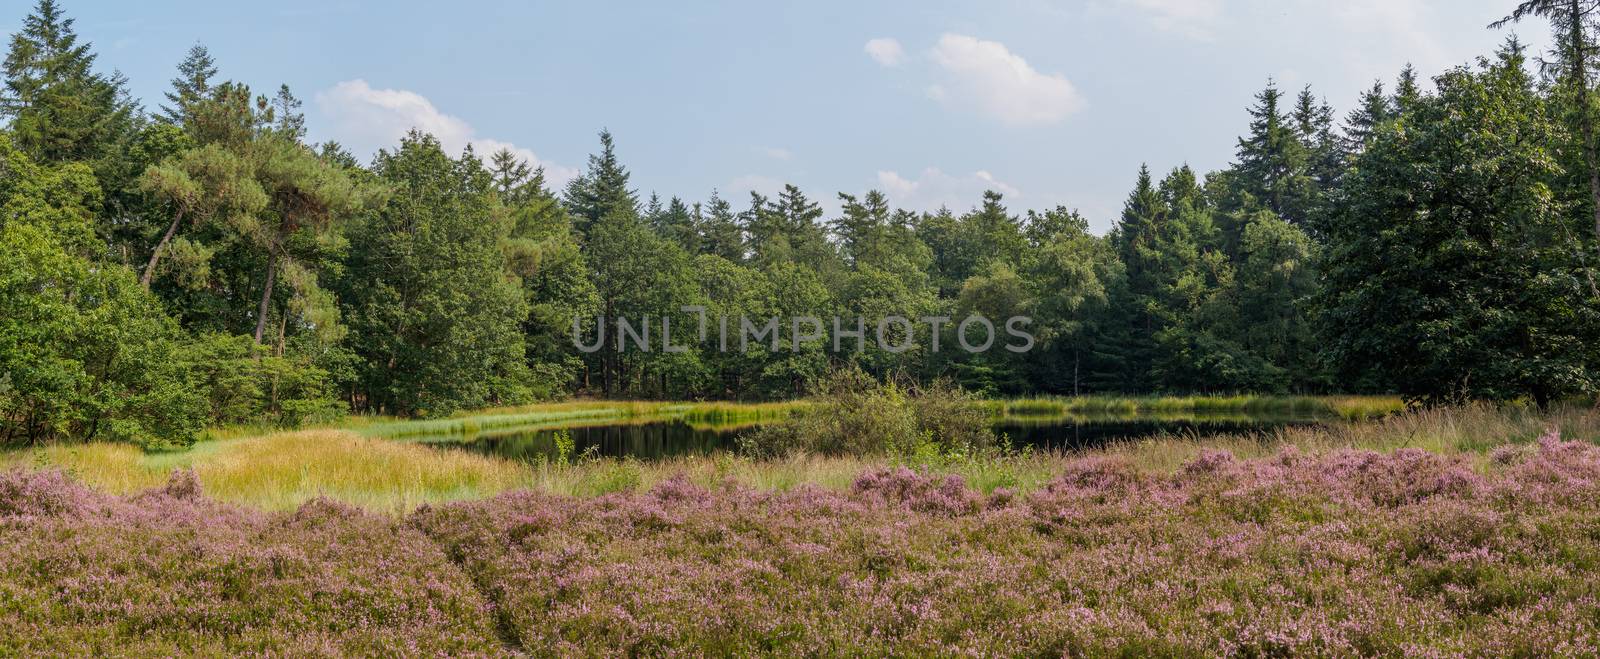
656 439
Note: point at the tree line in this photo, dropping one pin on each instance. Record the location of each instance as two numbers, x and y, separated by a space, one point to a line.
203 263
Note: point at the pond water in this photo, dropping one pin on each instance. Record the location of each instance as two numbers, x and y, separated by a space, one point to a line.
664 438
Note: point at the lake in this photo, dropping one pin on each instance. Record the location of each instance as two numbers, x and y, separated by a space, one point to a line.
656 438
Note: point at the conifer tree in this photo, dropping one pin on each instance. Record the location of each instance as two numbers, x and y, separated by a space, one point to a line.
60 109
601 190
192 85
1573 21
1372 110
719 232
1272 161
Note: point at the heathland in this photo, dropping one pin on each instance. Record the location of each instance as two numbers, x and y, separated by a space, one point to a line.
1455 530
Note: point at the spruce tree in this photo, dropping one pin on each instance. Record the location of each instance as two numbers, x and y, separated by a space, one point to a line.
1272 161
601 190
1372 110
1573 21
719 232
192 85
60 109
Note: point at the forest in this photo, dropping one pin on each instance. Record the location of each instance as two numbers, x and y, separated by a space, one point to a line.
198 262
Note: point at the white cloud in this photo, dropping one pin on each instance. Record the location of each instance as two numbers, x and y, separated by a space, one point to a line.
886 51
1196 19
778 153
366 119
992 80
934 188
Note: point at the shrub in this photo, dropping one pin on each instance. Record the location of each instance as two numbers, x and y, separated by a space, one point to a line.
854 414
85 353
169 573
244 383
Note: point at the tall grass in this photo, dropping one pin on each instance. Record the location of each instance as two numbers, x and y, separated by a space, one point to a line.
281 471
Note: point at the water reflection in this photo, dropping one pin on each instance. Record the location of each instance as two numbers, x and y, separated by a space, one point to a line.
664 438
1069 433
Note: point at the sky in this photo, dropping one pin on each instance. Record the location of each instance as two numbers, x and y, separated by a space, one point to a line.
1051 102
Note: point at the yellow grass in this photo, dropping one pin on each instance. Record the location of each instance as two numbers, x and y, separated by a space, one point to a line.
283 470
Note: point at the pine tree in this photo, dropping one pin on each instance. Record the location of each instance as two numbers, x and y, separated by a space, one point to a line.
601 190
192 85
719 232
288 121
1372 110
1272 161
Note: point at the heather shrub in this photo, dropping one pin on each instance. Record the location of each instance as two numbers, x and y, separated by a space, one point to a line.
168 572
1345 554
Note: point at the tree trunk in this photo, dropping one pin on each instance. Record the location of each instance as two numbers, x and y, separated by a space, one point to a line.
283 329
266 296
155 255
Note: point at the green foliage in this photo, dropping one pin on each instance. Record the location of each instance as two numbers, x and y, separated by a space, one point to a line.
1438 244
84 352
244 384
1457 282
428 291
854 414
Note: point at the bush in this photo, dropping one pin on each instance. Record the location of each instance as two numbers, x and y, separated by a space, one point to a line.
243 384
85 353
854 414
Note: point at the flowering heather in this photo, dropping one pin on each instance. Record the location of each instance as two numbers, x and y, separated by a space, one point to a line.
1349 552
171 573
1354 552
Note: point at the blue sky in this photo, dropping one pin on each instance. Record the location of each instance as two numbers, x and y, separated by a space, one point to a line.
1051 102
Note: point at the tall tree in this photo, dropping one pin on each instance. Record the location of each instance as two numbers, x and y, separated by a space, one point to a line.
1272 160
192 85
428 290
719 230
1450 282
601 190
1573 21
201 185
60 109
